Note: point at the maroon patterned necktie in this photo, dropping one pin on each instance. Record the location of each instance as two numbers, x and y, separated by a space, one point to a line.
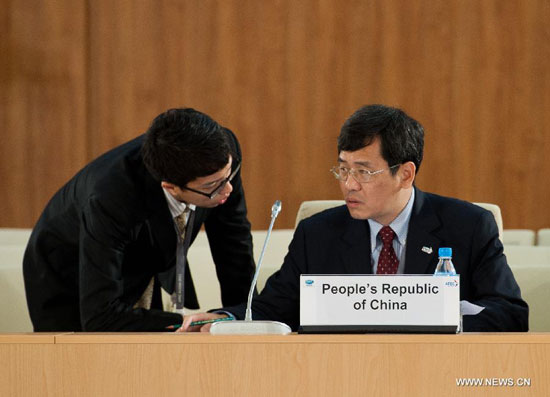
387 261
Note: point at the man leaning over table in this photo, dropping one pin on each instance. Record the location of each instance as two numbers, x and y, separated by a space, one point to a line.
109 240
380 150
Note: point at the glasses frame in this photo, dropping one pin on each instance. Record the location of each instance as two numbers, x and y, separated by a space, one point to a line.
353 171
220 187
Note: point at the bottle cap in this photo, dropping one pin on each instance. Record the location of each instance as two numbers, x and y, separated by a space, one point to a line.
445 252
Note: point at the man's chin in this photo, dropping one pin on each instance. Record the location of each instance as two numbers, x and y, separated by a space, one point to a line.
355 213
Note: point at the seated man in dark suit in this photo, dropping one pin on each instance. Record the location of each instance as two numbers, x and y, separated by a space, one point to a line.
379 153
106 242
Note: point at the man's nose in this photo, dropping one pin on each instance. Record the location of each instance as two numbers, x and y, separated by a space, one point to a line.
352 184
227 189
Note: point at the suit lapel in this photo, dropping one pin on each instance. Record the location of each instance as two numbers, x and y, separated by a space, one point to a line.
162 231
354 247
160 219
422 242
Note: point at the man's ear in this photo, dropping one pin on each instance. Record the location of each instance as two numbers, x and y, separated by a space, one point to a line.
169 187
408 173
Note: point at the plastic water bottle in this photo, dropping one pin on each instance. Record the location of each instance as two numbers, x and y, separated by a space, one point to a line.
445 265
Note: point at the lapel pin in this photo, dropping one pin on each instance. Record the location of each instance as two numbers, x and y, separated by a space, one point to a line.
427 250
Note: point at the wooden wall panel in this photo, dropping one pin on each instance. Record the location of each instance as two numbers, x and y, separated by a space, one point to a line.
43 103
284 75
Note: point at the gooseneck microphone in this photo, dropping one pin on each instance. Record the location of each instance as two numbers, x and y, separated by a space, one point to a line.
275 209
248 326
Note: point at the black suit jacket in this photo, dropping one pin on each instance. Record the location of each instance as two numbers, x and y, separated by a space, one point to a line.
108 231
332 242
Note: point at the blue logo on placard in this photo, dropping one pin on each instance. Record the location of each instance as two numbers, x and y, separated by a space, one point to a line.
453 283
309 282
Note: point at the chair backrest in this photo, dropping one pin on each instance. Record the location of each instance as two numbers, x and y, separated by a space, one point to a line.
519 255
518 237
12 255
495 209
274 254
543 237
13 304
13 236
308 208
534 282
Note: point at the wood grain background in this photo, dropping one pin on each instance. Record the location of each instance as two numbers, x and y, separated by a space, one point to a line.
79 77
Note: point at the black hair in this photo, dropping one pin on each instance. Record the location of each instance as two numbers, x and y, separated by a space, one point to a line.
401 137
184 144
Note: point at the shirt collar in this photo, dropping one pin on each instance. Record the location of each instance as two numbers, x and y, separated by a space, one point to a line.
400 225
176 207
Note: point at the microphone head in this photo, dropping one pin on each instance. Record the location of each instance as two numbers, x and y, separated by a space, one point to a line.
276 208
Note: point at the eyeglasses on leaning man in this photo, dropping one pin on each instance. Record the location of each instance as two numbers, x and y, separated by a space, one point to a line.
220 187
361 175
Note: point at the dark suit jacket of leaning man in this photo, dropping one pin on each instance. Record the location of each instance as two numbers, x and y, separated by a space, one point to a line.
108 231
379 151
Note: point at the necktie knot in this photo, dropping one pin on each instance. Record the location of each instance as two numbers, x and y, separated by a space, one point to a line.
181 221
386 235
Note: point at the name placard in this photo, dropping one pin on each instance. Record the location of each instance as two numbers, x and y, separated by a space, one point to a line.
379 303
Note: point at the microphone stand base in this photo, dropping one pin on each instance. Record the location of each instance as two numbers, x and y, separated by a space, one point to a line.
241 327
